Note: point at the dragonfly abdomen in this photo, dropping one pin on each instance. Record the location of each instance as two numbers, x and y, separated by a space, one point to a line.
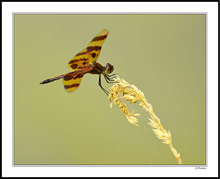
52 79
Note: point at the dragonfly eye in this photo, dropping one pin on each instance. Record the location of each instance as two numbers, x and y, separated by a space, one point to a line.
109 68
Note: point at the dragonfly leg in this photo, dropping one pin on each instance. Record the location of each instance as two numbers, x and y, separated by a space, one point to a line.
109 80
112 75
100 84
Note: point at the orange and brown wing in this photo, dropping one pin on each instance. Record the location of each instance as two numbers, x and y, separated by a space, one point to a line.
95 46
81 59
72 80
89 54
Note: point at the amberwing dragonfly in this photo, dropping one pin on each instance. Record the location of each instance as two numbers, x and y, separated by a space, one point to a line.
85 62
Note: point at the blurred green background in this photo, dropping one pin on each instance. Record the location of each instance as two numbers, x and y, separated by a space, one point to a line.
162 54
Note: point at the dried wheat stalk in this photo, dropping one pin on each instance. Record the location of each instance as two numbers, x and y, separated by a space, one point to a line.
121 92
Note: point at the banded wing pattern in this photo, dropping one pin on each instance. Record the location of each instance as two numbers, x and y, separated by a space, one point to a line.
95 46
89 54
81 59
72 80
82 62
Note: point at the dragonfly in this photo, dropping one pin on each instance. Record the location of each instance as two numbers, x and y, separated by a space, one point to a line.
86 62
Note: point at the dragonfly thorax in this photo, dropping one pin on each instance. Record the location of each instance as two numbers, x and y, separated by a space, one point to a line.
97 69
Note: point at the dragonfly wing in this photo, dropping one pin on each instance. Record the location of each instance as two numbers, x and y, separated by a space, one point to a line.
95 46
81 59
72 80
90 54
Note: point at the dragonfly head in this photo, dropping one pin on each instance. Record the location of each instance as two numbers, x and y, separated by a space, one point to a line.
109 68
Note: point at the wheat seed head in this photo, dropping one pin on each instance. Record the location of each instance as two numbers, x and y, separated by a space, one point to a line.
122 92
